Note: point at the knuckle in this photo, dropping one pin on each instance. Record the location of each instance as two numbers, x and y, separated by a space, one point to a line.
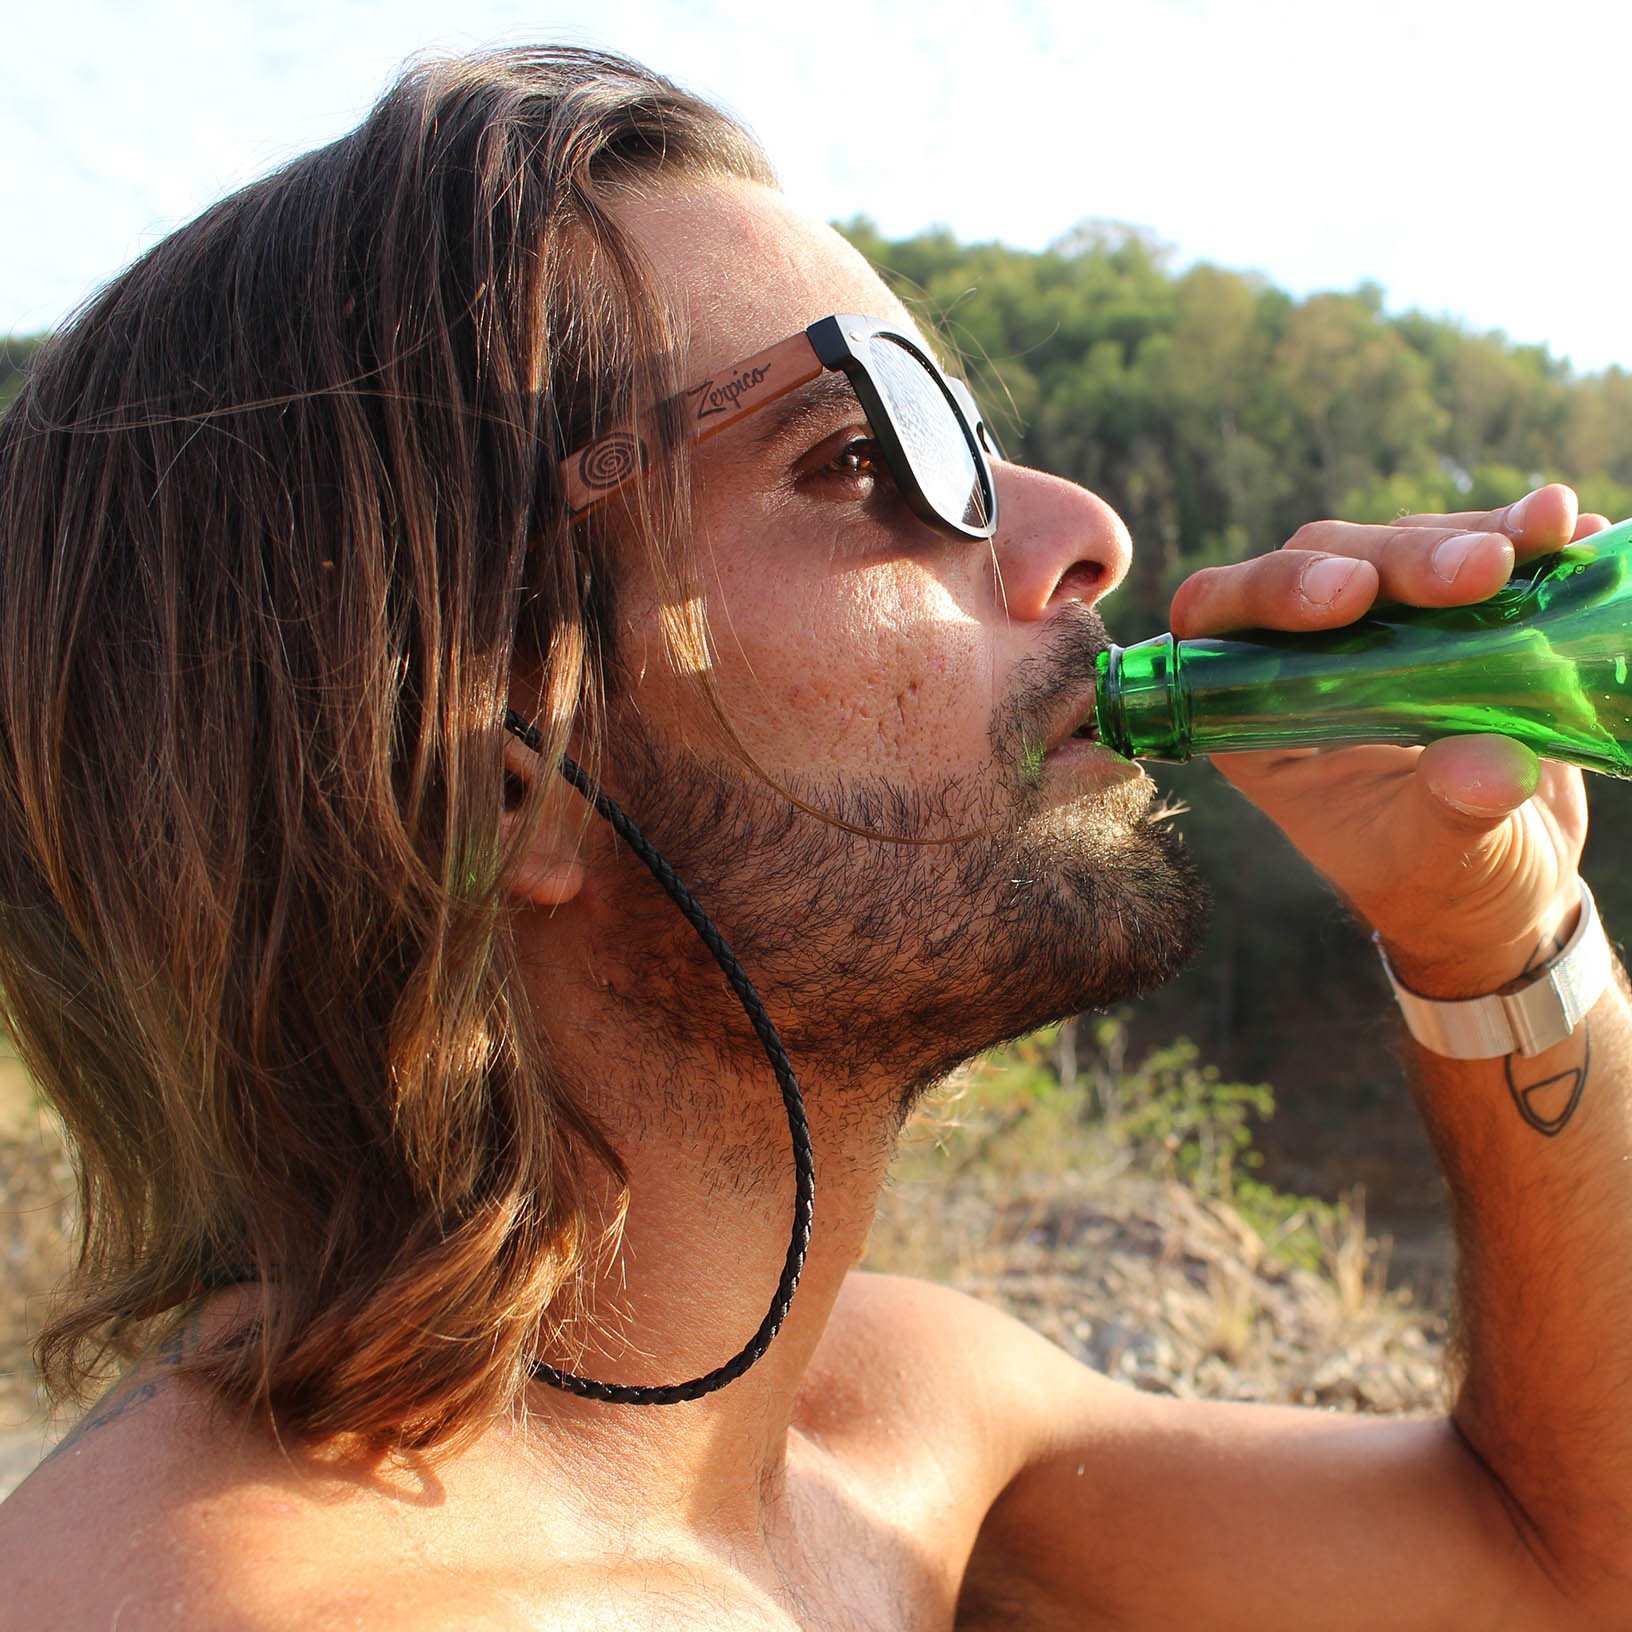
1185 599
1201 585
1408 554
1209 598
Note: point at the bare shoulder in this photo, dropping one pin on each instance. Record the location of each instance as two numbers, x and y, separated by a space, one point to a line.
911 1358
69 1531
936 1330
102 1533
157 1513
107 1541
875 1308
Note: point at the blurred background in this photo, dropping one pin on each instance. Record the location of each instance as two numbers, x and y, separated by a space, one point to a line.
1233 263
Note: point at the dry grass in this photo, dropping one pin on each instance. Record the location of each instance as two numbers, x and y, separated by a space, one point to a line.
1021 1193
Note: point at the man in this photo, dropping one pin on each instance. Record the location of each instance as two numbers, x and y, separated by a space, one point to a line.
423 1137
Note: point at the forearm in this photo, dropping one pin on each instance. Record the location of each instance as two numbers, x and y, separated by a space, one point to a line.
1538 1156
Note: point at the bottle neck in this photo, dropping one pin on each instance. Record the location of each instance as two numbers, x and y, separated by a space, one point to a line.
1140 700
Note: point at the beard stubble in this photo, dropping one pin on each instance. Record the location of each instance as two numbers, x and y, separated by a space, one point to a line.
957 918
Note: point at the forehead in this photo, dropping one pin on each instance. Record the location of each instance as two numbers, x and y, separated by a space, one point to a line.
743 268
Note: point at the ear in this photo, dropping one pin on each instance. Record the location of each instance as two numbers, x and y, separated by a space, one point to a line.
549 871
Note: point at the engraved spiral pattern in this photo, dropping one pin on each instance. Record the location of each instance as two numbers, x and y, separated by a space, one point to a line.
611 460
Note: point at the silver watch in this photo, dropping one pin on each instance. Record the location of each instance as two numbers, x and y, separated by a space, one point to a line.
1525 1018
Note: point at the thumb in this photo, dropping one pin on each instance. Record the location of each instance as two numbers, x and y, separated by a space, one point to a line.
1493 874
1472 784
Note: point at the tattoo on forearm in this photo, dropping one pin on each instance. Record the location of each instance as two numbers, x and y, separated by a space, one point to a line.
1547 1103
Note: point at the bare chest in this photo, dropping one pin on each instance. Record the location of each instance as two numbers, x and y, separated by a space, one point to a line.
856 1556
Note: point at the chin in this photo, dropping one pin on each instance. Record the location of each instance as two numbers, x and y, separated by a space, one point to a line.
1091 921
894 960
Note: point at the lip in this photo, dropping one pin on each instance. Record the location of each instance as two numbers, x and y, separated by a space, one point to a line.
1063 733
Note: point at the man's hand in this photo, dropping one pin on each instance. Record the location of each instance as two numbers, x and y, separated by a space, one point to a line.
1462 855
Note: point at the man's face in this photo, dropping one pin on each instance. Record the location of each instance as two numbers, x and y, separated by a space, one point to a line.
919 687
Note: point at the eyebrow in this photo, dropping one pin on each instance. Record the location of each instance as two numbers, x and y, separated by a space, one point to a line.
819 402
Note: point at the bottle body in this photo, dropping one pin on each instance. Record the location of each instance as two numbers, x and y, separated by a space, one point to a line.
1545 660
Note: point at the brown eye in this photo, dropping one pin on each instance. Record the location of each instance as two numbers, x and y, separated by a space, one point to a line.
862 457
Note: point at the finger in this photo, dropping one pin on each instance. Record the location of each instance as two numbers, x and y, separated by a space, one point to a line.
1287 589
1420 560
1476 782
1544 519
1591 522
1422 566
1296 588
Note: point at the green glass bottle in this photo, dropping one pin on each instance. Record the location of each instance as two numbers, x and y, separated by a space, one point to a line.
1545 660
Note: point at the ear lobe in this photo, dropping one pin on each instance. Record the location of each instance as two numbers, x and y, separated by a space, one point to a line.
547 884
548 872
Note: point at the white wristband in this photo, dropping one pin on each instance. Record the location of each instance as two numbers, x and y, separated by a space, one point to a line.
1527 1018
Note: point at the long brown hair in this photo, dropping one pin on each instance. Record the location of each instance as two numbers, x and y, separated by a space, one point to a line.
279 521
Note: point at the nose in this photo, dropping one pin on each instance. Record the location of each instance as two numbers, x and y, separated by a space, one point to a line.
1055 542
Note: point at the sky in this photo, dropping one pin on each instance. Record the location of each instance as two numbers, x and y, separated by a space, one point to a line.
1467 158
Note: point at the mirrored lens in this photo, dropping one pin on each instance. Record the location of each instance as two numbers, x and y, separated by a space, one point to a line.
971 411
943 461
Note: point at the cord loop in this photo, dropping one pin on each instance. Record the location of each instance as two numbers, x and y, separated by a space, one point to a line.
804 1160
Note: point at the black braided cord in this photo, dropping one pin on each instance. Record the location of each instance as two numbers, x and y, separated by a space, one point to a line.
804 1160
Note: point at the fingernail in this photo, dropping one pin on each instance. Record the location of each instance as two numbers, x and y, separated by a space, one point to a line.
1515 514
1449 556
1505 774
1323 580
1478 803
1474 802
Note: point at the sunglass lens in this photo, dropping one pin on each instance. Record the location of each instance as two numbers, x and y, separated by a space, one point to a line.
971 411
937 447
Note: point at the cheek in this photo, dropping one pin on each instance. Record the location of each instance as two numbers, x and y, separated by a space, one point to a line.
871 672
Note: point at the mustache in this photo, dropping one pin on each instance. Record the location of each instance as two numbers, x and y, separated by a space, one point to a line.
1062 672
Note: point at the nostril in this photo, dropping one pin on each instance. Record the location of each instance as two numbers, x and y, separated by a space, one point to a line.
1080 580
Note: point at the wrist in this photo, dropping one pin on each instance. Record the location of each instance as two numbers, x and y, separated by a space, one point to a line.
1530 1015
1451 959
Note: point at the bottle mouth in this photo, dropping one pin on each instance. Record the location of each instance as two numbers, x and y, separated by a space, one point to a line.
1140 706
1109 717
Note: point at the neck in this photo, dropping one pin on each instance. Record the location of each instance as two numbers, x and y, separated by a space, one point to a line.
688 1278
